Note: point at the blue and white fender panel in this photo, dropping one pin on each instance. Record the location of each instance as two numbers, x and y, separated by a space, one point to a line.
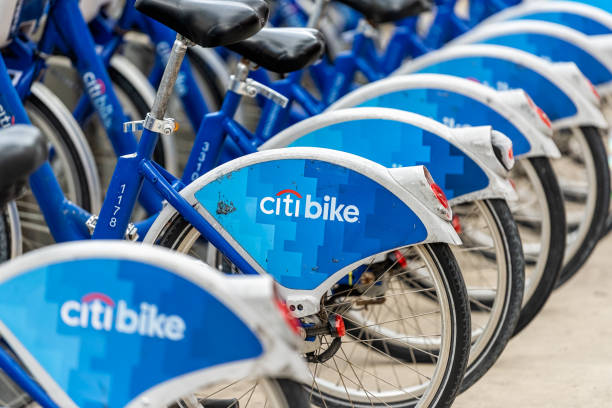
121 324
295 213
462 161
601 4
553 42
585 18
459 102
554 87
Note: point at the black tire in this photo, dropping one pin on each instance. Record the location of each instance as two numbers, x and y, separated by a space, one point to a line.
545 175
5 238
294 393
513 298
598 152
178 230
608 227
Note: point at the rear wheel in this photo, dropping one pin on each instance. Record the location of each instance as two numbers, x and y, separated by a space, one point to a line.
70 159
492 264
353 373
584 177
540 216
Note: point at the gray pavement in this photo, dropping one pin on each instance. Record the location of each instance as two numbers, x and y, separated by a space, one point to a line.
564 358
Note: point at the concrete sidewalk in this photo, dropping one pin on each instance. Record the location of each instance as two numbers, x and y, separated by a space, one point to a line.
564 357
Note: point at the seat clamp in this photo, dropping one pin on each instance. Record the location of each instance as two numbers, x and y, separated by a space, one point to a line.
367 29
252 88
165 126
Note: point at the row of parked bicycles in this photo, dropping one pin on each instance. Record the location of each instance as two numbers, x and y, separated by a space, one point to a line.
346 203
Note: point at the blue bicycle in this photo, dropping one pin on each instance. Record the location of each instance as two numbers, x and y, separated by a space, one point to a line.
331 184
498 313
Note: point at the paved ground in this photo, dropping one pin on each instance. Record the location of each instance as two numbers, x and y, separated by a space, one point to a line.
564 358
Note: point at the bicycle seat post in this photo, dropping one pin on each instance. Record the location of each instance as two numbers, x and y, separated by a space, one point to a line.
155 122
317 12
169 77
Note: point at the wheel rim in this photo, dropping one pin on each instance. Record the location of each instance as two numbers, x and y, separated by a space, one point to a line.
378 376
35 232
487 288
577 181
530 212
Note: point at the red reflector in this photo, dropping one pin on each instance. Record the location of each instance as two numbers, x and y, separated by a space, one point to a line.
529 100
340 329
400 259
594 91
439 194
544 117
292 322
510 153
456 224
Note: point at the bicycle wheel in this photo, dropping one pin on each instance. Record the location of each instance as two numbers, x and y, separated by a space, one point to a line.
5 237
443 319
491 261
606 109
540 216
266 392
493 266
584 177
70 159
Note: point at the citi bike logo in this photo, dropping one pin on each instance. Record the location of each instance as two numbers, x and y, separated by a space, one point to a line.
96 89
6 119
330 210
98 311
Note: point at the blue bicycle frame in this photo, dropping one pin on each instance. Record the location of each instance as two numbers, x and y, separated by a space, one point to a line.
107 35
67 221
66 30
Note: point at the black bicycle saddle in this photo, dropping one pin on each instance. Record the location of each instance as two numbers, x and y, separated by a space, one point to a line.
22 150
209 23
282 50
385 11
